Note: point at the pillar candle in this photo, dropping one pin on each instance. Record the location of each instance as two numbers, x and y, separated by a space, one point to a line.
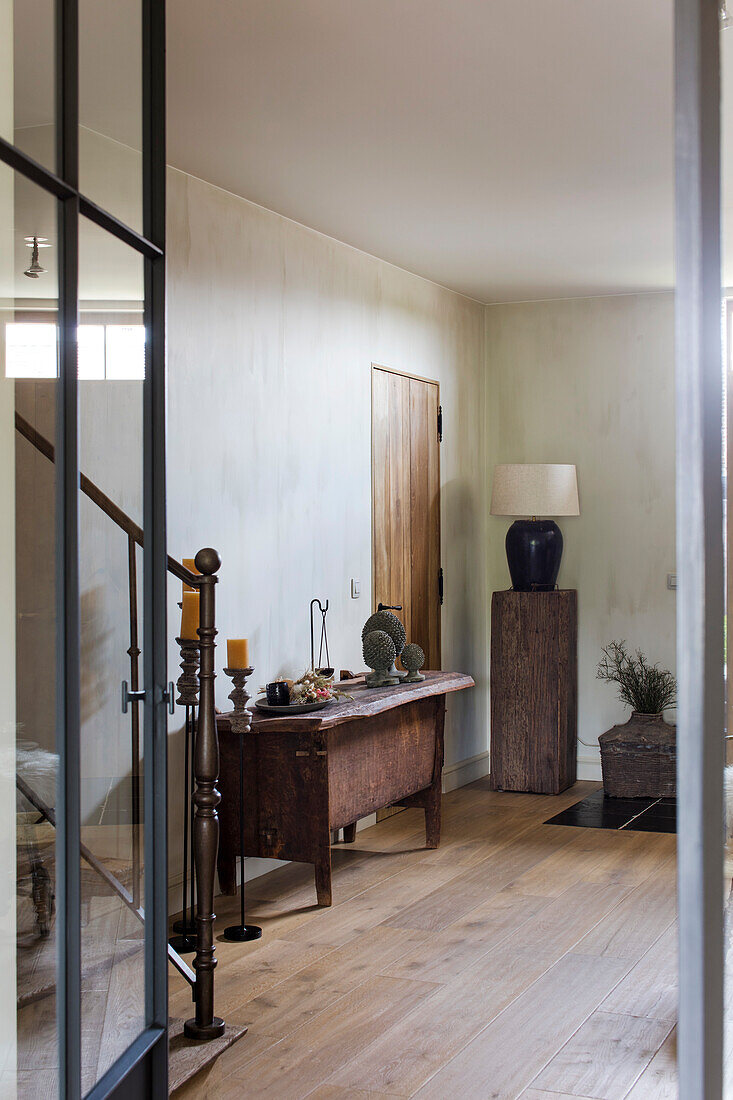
189 563
237 653
190 615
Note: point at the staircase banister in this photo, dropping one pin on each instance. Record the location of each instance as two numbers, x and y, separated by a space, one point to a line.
206 797
95 494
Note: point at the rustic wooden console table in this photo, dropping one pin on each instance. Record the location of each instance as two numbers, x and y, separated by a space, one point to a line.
306 775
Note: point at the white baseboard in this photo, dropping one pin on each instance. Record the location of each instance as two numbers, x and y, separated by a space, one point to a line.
465 771
589 767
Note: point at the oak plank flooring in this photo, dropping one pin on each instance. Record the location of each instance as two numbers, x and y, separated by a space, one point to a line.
487 968
659 1079
650 988
540 1094
505 863
286 1007
637 923
408 1055
492 1066
441 957
124 1010
253 973
297 1065
605 1056
343 923
333 1092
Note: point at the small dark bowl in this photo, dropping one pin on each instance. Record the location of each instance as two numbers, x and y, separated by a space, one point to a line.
278 693
325 671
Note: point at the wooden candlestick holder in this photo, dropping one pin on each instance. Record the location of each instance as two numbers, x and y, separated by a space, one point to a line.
241 723
239 696
188 681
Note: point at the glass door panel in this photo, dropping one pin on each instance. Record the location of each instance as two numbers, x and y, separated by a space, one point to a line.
28 750
110 106
28 78
86 1005
111 382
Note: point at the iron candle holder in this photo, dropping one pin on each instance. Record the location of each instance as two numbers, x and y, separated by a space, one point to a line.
240 724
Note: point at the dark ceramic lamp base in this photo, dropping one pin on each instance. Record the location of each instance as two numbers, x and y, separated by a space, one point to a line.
533 551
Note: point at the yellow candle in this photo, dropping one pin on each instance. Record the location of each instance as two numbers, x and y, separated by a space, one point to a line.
190 615
189 563
237 653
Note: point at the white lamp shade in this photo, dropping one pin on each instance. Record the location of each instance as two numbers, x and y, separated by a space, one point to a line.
535 489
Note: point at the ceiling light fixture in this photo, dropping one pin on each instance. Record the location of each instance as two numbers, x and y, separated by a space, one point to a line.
35 270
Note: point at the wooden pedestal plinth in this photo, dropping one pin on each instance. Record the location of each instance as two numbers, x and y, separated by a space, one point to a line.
534 691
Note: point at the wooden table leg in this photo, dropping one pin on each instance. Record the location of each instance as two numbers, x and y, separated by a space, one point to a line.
432 818
435 792
226 865
323 876
350 833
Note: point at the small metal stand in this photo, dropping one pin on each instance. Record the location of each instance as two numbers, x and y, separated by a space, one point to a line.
188 697
240 723
328 671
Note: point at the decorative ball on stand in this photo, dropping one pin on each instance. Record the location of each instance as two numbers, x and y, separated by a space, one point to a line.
379 653
413 659
389 623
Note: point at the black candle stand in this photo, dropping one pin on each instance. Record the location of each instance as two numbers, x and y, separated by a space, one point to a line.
240 724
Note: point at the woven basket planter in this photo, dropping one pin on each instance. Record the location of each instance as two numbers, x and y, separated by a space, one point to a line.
639 758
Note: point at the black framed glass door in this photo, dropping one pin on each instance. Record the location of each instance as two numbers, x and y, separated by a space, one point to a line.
82 434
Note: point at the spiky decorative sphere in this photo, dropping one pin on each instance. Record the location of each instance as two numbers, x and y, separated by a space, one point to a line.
379 650
388 622
412 657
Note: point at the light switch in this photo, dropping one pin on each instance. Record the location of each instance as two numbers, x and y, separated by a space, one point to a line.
355 588
672 581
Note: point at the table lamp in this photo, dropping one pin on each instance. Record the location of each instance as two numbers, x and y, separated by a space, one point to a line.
534 546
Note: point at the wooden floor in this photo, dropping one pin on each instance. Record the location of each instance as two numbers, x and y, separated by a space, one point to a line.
517 960
112 979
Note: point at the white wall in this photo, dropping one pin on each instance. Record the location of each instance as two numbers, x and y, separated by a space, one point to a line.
272 330
591 381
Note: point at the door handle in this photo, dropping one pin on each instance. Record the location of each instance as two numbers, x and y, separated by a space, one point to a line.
169 697
389 607
130 696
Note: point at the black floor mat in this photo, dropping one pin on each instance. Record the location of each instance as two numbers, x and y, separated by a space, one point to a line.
648 815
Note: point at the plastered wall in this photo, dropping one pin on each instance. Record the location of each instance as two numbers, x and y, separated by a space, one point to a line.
591 381
272 330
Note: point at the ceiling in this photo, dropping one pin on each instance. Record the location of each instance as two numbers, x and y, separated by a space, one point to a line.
505 149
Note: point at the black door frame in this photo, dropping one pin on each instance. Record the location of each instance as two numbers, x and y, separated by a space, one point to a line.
142 1070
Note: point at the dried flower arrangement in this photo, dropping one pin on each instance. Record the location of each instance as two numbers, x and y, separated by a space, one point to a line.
313 687
647 689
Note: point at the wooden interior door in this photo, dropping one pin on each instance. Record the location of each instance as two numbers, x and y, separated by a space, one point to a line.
406 504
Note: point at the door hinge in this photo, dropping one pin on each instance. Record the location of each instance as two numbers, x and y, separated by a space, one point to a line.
440 423
440 584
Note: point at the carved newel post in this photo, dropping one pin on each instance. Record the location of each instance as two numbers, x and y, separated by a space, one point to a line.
206 798
188 697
